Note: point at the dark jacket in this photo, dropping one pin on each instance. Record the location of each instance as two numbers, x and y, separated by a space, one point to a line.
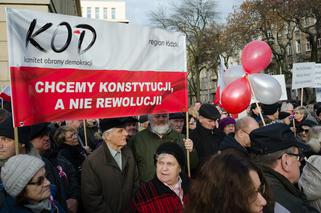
66 173
285 193
154 196
93 136
10 206
74 154
206 142
104 187
230 144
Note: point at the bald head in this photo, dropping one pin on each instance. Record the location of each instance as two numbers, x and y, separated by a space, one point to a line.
243 127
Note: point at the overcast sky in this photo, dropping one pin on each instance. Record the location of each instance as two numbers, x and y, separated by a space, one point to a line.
138 10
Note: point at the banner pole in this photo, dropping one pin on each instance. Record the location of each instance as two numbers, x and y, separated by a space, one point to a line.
187 152
256 103
301 96
16 140
294 129
85 133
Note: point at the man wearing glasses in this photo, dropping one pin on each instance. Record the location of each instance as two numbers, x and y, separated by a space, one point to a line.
145 143
276 149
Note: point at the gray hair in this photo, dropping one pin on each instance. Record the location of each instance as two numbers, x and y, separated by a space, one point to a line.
285 106
242 123
314 140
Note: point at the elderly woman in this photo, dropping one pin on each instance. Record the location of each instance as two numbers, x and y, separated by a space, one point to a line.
24 178
227 125
166 191
228 183
69 147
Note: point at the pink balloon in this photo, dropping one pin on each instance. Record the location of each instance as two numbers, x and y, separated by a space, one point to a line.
236 96
256 56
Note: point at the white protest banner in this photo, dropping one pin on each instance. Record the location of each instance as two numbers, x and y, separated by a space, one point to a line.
303 75
65 67
317 76
281 80
318 94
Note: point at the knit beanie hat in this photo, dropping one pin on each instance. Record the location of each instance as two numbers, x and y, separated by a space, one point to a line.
18 171
172 149
226 121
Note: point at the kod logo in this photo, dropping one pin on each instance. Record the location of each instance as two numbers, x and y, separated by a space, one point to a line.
32 36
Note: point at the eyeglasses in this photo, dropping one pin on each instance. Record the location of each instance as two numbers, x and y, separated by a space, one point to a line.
299 157
39 182
161 116
304 130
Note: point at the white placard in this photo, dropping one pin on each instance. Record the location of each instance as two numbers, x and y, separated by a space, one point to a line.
303 75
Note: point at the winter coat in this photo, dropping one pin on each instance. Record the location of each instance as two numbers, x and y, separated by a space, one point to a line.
144 145
104 187
154 196
206 141
10 206
230 144
286 194
66 173
74 154
310 181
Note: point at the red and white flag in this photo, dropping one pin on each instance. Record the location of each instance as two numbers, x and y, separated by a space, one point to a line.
6 94
220 82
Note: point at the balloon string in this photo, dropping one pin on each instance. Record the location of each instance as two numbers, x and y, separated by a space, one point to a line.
256 103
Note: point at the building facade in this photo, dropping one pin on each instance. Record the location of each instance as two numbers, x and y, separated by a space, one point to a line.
67 7
109 10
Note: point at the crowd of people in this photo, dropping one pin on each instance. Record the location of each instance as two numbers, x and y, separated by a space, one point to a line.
266 161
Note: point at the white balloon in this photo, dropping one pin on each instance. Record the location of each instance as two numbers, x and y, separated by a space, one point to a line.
233 73
267 89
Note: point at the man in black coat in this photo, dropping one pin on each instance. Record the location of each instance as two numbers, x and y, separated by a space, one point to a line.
241 140
278 152
206 136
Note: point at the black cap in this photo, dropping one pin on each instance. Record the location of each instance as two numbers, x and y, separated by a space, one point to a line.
273 138
173 149
209 111
143 118
38 130
283 115
308 123
6 125
109 123
269 109
177 115
318 111
130 119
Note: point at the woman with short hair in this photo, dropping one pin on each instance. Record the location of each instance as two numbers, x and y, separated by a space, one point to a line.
228 184
166 191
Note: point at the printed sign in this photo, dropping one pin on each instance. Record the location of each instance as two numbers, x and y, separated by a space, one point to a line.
65 67
303 75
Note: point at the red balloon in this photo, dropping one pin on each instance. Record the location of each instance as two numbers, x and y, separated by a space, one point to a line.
256 56
236 97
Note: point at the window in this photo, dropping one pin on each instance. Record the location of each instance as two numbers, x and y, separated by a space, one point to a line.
113 13
96 12
308 45
105 13
297 46
319 42
290 49
88 12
